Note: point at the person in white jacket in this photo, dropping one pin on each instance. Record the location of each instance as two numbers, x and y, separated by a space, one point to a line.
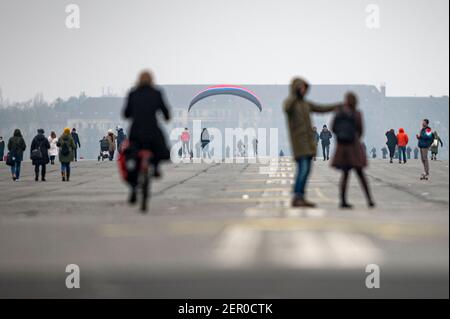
53 151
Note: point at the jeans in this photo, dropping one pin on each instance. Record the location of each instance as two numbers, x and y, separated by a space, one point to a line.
402 153
303 170
185 146
15 169
326 151
65 167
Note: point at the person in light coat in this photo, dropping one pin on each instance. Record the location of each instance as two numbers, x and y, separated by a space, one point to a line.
53 151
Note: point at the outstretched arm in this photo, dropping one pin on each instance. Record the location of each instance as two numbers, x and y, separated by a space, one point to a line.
324 108
164 107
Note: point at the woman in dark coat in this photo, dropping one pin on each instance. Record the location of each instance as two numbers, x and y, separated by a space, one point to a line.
40 144
16 147
391 143
351 155
144 102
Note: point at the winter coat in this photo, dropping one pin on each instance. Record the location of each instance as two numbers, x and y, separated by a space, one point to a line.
316 137
391 139
425 138
53 151
112 142
2 149
298 114
402 138
16 146
66 139
120 138
76 139
352 155
435 146
325 137
40 142
141 108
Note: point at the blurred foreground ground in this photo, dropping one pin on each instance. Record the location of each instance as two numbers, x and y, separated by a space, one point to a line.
224 231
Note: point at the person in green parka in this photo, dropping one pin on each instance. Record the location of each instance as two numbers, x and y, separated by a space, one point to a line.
304 147
435 146
66 146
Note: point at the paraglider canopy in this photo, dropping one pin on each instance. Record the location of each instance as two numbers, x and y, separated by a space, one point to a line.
226 89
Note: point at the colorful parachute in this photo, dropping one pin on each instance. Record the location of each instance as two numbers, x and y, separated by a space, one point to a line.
226 89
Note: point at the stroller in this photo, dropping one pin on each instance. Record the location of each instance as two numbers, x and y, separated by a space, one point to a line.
104 149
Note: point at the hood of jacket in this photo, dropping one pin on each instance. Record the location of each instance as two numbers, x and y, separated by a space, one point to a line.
401 130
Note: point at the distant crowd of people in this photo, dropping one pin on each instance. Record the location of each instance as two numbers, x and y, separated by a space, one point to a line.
43 151
146 136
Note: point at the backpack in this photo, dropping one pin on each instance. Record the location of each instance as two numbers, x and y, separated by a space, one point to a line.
65 151
36 154
345 128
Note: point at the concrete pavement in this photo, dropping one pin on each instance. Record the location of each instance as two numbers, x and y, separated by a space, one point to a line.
224 230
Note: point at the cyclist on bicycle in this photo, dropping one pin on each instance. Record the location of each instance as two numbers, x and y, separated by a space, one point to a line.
143 103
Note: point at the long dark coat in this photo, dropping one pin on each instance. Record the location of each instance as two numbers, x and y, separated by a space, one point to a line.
348 156
41 142
141 108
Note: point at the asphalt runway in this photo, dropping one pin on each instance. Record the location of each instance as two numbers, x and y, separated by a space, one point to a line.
225 231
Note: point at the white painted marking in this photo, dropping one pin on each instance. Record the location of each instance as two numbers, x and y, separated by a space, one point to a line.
237 247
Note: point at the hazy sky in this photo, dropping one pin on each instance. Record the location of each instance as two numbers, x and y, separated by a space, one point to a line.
222 41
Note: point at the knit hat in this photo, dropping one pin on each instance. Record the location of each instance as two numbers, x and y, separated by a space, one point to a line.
67 131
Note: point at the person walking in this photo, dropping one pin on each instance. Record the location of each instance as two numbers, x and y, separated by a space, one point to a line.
121 137
298 114
66 154
2 148
316 139
402 141
76 140
391 143
325 137
53 151
112 144
435 146
349 155
425 139
384 151
408 152
416 153
205 139
39 154
16 147
373 151
185 140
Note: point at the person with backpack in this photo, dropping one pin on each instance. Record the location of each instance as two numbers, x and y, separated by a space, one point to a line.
402 141
205 140
67 147
391 144
435 146
16 147
325 137
350 154
298 114
39 154
425 139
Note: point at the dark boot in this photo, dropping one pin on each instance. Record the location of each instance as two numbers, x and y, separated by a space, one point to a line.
63 176
67 176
